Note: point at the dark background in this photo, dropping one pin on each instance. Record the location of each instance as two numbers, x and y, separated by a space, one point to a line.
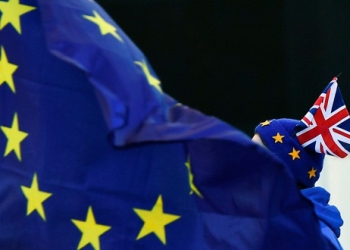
242 61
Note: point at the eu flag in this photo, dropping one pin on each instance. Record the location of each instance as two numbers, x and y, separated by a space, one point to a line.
94 155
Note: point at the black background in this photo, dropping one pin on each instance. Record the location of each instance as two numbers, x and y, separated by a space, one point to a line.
242 61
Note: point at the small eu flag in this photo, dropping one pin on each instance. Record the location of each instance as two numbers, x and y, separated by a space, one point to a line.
97 156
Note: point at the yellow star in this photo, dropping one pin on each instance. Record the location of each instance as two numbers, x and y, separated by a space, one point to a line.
14 138
312 173
155 221
35 198
90 230
295 154
105 27
151 79
278 138
6 71
190 175
265 123
12 12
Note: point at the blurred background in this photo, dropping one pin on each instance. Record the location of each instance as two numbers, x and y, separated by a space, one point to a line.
247 61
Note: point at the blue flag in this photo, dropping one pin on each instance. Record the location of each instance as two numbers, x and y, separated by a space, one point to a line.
97 156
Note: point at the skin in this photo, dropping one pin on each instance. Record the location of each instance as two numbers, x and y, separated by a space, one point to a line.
256 138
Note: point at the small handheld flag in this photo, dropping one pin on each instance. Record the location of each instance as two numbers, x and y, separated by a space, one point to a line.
326 126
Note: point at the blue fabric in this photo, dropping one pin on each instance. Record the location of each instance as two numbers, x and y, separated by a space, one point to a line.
307 159
328 215
330 236
132 116
102 145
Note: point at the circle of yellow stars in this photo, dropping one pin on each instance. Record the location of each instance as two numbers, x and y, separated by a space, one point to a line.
154 220
108 29
11 13
294 154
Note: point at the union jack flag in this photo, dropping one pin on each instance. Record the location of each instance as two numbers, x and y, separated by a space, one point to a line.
326 127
